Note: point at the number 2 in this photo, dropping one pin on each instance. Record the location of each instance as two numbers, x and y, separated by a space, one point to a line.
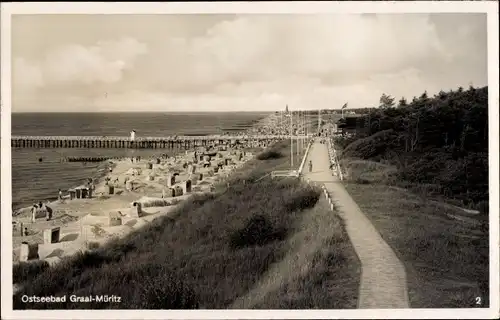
478 300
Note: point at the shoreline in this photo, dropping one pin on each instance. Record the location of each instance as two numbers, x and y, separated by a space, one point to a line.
98 175
26 194
101 171
76 210
73 216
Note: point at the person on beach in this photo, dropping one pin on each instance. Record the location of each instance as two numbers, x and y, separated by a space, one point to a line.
310 166
60 196
33 213
49 213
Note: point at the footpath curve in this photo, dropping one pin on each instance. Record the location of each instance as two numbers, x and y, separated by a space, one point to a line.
383 276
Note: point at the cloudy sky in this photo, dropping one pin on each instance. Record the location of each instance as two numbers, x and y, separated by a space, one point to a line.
239 62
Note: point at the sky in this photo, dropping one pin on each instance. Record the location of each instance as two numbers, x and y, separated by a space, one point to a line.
93 63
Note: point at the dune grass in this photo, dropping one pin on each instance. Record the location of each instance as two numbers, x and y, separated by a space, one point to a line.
332 273
447 260
152 202
26 271
211 250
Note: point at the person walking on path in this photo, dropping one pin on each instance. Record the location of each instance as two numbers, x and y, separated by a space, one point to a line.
310 166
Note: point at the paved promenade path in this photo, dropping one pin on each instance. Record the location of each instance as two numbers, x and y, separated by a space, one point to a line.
383 276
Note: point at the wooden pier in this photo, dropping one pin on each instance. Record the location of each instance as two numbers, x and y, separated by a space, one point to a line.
108 142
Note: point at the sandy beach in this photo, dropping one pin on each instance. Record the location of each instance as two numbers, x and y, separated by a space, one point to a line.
141 192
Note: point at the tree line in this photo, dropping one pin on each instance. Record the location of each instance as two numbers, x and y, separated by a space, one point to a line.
440 140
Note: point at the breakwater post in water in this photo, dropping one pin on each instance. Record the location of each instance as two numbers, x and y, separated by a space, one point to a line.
86 159
172 142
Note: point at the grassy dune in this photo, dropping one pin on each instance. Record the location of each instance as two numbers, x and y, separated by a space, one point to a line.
212 250
445 251
333 275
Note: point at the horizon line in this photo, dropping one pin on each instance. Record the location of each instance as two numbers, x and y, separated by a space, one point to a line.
190 111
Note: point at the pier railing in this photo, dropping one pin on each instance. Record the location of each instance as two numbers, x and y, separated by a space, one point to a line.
140 142
122 138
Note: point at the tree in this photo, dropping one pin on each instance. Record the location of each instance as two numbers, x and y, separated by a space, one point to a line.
442 95
402 102
386 101
424 96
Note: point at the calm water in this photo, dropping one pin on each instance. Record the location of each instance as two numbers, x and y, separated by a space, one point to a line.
33 181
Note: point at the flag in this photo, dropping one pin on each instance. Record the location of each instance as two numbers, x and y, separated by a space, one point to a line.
344 106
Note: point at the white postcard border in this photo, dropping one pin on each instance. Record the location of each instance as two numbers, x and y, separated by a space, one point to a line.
489 7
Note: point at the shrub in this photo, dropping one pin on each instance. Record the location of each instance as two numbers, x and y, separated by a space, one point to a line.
375 145
269 155
156 203
91 245
305 198
97 230
257 231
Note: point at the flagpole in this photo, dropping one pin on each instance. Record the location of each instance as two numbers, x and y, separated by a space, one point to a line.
302 130
305 124
291 140
319 121
298 124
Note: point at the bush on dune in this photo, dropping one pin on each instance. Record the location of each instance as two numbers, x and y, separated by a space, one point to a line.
373 146
270 154
257 231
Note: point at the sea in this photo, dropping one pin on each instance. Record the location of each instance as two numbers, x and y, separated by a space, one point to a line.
34 180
